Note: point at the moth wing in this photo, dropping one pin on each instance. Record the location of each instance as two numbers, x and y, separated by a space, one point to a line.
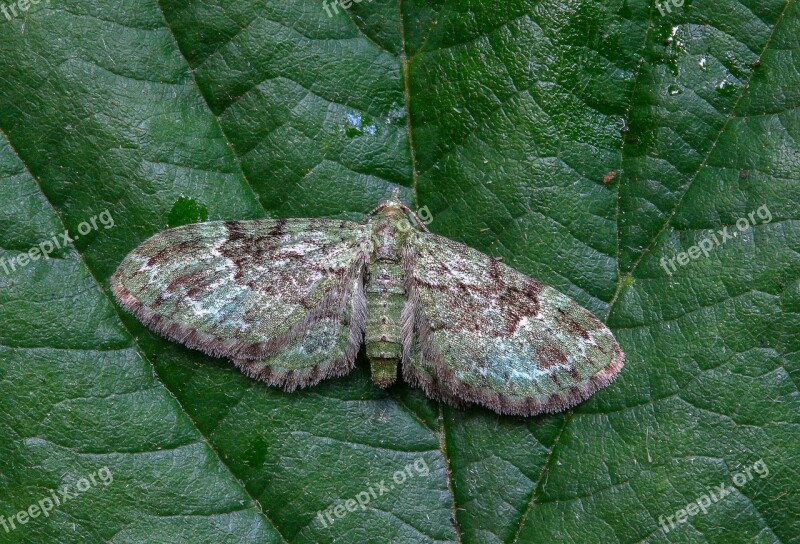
283 298
328 347
487 334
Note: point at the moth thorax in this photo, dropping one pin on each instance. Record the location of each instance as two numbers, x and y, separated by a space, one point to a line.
387 241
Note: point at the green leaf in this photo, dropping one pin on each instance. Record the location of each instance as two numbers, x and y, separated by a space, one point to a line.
586 143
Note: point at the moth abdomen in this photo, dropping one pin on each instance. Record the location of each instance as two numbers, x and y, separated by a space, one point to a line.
386 295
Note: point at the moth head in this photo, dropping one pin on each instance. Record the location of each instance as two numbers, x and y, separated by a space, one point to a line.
394 207
391 204
394 200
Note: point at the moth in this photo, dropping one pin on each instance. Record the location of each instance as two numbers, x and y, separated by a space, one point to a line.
290 301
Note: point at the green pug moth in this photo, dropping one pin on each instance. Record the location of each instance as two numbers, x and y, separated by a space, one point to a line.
290 301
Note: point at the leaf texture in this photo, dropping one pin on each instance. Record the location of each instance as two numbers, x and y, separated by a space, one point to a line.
583 142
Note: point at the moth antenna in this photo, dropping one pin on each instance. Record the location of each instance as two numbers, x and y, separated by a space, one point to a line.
376 209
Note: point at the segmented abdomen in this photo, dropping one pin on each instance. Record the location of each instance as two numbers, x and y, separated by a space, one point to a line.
385 294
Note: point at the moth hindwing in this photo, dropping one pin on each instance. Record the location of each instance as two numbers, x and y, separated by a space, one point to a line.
290 301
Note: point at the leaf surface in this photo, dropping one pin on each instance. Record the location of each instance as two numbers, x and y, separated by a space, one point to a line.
586 143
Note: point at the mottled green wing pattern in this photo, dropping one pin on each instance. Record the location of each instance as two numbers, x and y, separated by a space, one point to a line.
478 331
325 347
282 298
